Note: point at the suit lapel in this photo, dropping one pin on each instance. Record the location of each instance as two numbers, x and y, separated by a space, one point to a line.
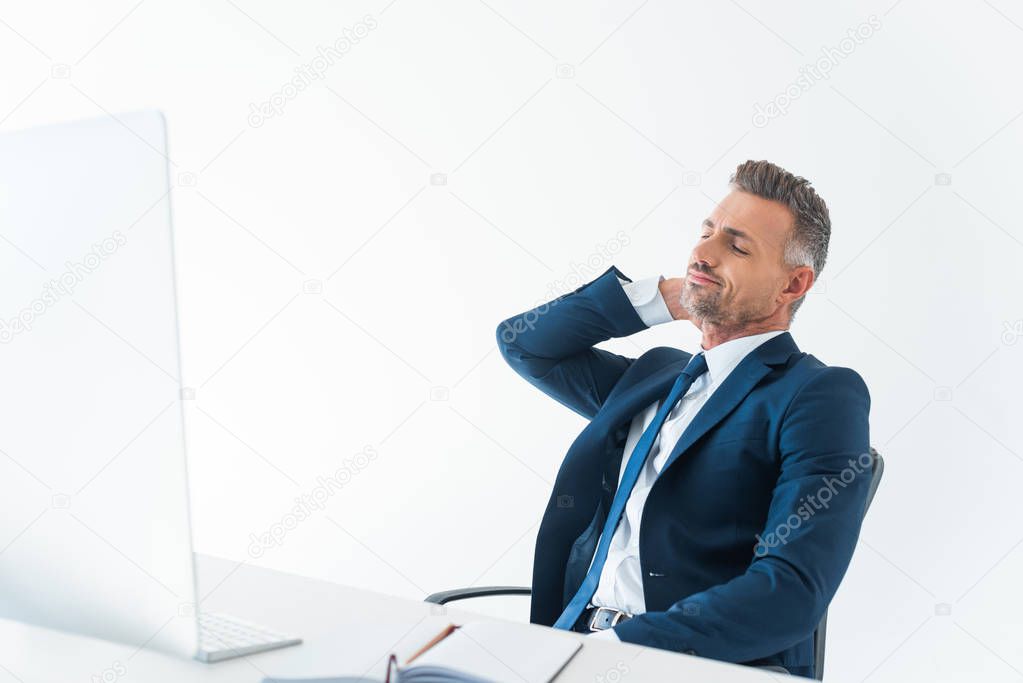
746 375
655 386
640 395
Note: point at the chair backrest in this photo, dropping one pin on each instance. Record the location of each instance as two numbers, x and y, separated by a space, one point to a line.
820 635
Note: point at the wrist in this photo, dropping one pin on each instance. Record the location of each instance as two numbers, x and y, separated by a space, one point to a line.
646 299
671 292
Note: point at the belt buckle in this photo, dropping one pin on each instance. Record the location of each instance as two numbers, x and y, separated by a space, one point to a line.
618 614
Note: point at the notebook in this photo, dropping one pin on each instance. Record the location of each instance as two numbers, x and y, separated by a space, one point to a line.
487 652
478 652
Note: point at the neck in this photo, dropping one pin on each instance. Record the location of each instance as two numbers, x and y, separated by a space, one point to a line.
715 333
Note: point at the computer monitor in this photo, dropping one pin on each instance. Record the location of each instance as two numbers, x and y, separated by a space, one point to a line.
95 535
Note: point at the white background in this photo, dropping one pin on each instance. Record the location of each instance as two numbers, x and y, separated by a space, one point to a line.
334 298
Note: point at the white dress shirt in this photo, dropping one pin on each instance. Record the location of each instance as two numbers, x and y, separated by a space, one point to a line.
621 580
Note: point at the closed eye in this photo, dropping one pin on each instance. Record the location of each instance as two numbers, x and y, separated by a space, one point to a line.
734 248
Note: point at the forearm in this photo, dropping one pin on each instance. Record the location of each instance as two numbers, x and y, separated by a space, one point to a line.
764 611
552 345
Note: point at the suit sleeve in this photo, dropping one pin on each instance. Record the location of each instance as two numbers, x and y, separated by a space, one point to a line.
552 346
802 554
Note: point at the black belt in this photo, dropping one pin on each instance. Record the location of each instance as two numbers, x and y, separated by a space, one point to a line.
600 618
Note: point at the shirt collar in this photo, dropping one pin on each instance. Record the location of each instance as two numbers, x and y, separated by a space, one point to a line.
723 358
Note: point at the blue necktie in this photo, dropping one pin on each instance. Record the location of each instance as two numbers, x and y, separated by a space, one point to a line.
696 367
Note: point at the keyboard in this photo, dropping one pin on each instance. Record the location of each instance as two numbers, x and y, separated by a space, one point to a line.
222 637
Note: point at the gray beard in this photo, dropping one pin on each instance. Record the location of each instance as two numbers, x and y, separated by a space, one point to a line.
707 306
704 305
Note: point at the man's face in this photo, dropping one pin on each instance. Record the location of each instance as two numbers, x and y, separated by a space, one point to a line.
741 250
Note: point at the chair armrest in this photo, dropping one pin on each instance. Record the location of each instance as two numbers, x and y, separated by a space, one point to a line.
474 592
875 478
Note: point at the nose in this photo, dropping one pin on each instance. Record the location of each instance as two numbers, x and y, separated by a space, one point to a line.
705 254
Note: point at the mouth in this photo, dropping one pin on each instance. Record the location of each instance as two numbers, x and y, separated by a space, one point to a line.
697 278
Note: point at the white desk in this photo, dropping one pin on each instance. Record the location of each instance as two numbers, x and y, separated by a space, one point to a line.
346 631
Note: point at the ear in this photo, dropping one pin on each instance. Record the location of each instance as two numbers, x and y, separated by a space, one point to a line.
800 280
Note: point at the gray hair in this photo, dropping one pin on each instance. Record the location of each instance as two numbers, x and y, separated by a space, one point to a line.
808 244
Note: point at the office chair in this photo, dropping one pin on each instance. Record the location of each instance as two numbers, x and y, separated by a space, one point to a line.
819 634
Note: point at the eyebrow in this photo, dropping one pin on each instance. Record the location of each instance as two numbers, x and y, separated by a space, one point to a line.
729 229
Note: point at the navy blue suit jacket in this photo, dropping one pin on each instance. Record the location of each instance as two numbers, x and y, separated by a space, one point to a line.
751 524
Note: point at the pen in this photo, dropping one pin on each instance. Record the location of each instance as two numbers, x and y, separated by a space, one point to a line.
436 639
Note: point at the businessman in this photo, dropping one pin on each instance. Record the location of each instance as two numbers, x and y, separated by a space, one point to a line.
712 503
